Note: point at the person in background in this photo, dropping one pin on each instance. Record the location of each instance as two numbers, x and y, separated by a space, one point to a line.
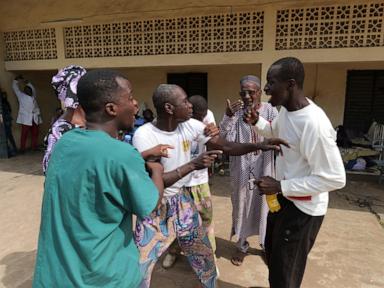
94 184
65 85
29 112
249 208
304 174
148 115
139 121
209 117
7 121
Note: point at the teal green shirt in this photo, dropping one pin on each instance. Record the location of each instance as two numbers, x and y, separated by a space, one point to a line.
93 185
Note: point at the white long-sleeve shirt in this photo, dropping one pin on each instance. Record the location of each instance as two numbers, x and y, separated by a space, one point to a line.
28 109
312 166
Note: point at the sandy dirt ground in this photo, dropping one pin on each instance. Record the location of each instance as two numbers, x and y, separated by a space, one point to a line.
349 251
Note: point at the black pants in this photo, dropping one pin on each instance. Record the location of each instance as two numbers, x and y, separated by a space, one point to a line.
289 238
11 144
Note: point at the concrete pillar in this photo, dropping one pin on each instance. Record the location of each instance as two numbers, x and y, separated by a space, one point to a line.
268 44
60 45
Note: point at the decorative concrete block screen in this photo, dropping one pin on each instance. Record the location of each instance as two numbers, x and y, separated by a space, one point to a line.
338 26
36 44
234 32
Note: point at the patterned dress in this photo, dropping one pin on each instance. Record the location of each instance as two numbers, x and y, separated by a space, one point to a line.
54 134
249 209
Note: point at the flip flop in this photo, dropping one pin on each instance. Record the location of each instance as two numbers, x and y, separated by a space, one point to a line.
238 258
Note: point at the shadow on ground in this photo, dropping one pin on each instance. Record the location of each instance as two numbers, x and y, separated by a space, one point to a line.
361 193
225 249
25 164
19 268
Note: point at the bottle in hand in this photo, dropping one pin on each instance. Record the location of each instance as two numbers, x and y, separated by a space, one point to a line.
273 203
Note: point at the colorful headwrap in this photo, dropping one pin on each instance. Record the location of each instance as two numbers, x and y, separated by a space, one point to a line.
65 84
250 78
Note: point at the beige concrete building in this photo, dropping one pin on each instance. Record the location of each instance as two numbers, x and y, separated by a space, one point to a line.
204 45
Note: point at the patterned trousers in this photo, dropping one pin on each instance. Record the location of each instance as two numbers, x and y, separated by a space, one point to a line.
177 218
201 195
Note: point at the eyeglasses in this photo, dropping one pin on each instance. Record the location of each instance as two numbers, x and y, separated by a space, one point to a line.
251 181
243 93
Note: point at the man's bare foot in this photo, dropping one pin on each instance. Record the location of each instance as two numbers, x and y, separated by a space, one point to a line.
238 258
169 260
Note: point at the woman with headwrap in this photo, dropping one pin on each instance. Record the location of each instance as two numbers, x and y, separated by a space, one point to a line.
65 85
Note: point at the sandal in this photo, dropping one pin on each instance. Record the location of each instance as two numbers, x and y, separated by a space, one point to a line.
238 258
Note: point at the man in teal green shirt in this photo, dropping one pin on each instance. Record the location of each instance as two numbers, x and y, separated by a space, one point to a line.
93 185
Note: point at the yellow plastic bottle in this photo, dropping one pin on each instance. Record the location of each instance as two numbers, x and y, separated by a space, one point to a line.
273 203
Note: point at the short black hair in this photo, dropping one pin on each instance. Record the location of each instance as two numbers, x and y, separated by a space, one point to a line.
97 88
148 111
291 68
164 93
199 104
28 90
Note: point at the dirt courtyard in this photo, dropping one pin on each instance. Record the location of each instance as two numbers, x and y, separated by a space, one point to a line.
349 251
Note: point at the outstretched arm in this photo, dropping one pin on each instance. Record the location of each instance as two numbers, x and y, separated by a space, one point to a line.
156 171
203 161
237 149
155 153
16 88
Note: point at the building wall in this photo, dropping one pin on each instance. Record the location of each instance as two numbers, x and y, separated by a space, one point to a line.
329 86
45 98
290 28
324 83
223 82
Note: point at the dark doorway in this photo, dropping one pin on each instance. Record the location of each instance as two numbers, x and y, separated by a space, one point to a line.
364 101
192 83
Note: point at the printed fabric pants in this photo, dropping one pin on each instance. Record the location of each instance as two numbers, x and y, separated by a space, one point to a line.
202 198
176 218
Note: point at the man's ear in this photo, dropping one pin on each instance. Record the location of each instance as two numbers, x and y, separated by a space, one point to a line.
168 107
291 83
111 109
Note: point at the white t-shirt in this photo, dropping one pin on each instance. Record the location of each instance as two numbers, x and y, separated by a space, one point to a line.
312 166
209 118
148 136
200 176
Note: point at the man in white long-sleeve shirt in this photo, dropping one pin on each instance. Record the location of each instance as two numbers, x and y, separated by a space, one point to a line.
29 113
305 172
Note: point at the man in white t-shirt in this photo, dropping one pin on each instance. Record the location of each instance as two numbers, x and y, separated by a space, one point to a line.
177 216
305 173
198 185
